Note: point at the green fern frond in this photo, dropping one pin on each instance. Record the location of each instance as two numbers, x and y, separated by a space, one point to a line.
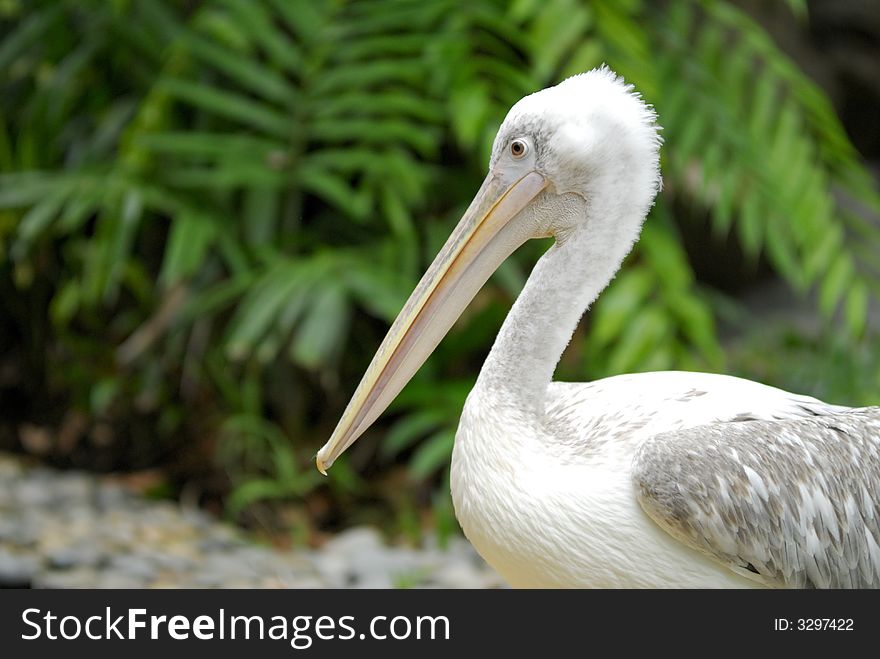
738 99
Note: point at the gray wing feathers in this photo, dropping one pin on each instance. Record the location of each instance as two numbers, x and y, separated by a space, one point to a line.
790 503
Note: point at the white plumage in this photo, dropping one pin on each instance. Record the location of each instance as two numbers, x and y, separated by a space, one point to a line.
651 480
576 472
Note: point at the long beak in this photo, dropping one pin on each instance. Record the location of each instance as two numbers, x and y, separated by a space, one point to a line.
487 234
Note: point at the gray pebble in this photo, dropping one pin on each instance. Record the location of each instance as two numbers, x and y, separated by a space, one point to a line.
63 559
72 489
33 493
109 496
298 582
79 555
168 561
132 565
219 540
17 532
354 540
377 580
16 570
68 579
119 580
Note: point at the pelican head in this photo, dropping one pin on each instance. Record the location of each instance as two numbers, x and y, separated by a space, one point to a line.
569 161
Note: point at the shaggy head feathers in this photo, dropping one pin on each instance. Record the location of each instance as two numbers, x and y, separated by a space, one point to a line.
592 134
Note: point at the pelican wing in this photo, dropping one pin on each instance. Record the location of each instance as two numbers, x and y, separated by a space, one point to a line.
791 503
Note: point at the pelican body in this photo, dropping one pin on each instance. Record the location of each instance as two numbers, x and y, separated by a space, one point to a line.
666 479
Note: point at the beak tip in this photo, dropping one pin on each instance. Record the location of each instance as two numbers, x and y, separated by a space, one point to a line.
321 464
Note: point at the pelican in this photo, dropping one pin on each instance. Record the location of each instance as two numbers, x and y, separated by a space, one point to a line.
666 479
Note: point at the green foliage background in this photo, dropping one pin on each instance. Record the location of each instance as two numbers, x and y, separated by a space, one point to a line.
210 212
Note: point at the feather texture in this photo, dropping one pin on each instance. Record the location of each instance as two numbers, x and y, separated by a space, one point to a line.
791 501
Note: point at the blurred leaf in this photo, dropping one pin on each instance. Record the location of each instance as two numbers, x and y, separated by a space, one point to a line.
408 430
322 330
190 237
833 287
857 308
226 104
260 307
618 305
102 395
253 491
432 454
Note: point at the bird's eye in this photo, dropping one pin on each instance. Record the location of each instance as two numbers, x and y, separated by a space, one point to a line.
518 148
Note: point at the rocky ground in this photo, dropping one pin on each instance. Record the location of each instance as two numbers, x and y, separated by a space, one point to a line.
78 530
